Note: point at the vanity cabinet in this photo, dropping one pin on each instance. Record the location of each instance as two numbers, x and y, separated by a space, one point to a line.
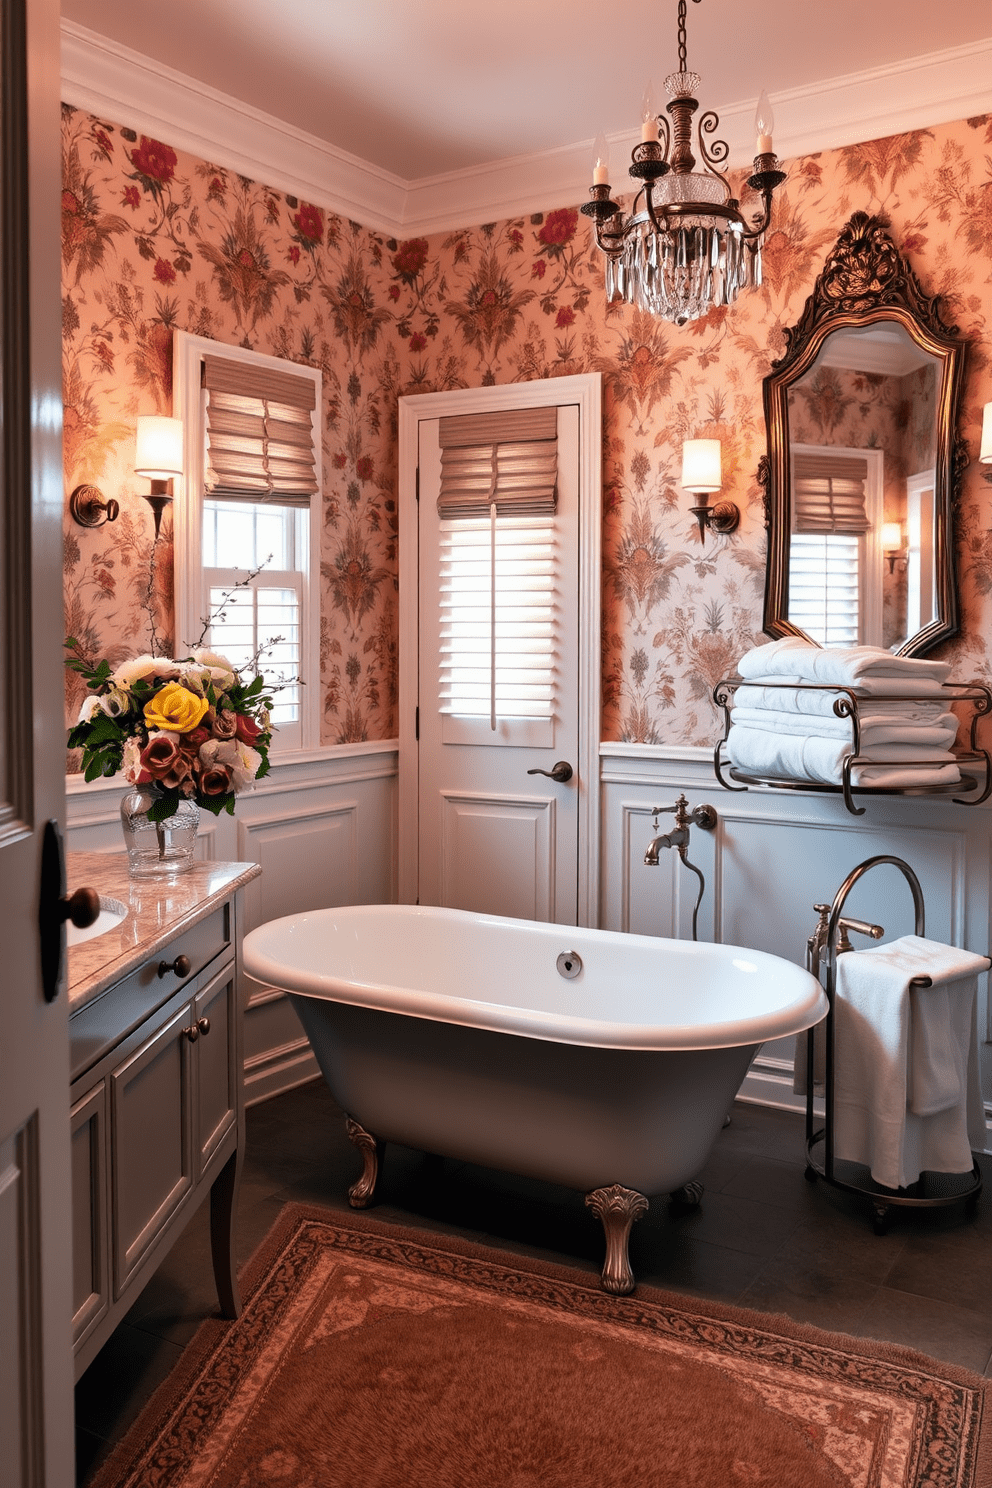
157 1121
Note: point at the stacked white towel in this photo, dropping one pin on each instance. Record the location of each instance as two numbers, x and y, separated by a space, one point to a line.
907 1097
778 728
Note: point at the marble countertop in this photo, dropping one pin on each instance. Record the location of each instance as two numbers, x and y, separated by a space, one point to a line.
158 911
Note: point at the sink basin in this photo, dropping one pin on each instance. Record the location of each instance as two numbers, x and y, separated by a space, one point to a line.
112 913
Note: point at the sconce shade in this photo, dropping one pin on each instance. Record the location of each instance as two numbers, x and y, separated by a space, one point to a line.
985 453
891 537
701 466
159 449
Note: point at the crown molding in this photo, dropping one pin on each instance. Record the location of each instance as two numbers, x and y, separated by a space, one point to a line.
117 84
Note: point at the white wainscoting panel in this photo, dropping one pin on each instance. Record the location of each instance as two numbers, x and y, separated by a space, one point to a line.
772 856
498 854
322 826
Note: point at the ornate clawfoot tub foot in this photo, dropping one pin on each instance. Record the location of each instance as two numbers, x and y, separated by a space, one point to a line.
688 1196
361 1192
617 1207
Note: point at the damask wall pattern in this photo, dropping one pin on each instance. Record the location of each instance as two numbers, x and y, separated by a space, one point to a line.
155 239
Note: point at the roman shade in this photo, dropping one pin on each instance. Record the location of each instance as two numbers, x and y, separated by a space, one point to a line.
828 494
508 460
259 433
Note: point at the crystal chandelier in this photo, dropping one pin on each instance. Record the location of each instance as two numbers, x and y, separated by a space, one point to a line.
686 246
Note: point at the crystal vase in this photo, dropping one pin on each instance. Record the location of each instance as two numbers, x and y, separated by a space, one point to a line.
158 849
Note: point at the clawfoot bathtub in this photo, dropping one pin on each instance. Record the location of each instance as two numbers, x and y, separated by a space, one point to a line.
591 1058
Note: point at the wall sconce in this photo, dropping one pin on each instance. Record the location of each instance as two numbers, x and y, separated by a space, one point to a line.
985 453
158 454
701 476
893 546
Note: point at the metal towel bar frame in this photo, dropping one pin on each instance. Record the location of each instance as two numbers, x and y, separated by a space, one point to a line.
823 947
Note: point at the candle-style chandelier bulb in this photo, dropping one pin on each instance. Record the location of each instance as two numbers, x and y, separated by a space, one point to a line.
764 124
649 114
600 160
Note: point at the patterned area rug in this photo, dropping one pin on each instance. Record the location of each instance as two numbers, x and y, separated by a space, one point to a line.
373 1356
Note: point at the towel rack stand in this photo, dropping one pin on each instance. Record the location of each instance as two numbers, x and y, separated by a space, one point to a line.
847 704
828 941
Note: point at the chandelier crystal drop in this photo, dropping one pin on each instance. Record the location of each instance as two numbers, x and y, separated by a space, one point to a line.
686 246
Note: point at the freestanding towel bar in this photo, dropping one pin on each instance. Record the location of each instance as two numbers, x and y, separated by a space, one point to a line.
828 941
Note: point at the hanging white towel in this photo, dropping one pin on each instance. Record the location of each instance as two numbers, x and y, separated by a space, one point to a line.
843 666
795 699
907 1098
820 761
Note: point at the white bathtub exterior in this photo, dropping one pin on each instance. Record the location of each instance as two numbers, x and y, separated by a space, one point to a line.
454 1033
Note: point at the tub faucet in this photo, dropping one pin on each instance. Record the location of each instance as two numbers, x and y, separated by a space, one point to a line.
702 816
678 837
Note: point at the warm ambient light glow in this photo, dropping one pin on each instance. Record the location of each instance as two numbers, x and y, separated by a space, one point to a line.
159 448
985 453
891 537
764 123
701 466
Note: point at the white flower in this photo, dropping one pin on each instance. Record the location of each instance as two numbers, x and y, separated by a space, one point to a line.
131 759
115 702
91 705
240 759
219 668
142 667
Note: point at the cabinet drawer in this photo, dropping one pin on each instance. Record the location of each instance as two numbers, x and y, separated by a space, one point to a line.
108 1019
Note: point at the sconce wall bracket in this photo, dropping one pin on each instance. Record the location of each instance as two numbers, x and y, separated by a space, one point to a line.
722 517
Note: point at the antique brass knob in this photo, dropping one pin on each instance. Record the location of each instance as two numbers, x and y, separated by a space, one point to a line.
203 1024
192 1033
82 908
182 966
561 772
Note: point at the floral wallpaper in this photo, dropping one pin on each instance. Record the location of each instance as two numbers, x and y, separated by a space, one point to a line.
155 239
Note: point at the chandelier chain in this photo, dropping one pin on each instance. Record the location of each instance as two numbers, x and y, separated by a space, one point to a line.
683 65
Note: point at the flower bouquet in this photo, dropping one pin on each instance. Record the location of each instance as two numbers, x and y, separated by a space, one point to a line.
184 733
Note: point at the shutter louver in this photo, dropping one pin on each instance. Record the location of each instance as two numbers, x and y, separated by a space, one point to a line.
828 494
259 434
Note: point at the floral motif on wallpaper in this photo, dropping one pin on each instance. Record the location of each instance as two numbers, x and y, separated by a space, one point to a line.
154 239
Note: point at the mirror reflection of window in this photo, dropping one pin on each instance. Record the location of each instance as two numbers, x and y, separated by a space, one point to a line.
835 559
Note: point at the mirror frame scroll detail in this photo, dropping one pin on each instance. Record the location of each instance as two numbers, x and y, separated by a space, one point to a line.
865 280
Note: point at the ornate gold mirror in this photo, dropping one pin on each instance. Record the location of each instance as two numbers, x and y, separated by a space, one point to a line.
863 467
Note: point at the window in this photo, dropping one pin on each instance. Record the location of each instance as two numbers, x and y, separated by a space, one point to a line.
498 606
835 581
251 501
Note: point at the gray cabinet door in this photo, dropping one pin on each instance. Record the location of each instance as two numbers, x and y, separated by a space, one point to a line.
90 1234
216 1066
152 1145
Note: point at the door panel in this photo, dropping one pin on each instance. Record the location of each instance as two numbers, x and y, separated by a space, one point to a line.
216 1071
492 835
90 1281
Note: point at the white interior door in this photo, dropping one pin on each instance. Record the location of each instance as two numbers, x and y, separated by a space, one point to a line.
479 830
35 1233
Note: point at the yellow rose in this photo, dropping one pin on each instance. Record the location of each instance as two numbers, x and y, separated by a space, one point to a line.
175 709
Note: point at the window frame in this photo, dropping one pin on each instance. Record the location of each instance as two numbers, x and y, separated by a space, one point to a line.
190 585
871 572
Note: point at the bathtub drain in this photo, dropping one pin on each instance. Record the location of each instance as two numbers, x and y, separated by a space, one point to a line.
569 964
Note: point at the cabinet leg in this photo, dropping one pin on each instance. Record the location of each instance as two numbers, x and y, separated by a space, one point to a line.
223 1207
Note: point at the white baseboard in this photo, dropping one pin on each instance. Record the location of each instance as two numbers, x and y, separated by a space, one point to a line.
278 1070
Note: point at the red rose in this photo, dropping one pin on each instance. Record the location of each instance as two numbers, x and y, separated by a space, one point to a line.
364 468
417 342
558 227
565 316
340 460
294 254
516 237
538 269
215 780
131 197
196 737
164 272
394 291
154 160
246 729
410 257
309 223
159 756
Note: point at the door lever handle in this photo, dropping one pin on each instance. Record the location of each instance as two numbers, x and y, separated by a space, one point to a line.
561 772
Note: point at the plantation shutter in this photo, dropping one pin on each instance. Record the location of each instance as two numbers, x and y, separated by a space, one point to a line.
497 552
828 494
260 443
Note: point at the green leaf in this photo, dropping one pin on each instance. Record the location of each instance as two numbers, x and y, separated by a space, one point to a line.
164 806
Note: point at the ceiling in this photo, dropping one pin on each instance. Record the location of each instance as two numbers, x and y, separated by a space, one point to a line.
421 89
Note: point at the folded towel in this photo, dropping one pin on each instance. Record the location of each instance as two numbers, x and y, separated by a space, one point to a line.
886 694
847 667
907 1097
820 761
876 728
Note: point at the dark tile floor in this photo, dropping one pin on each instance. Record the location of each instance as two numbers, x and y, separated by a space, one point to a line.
762 1238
